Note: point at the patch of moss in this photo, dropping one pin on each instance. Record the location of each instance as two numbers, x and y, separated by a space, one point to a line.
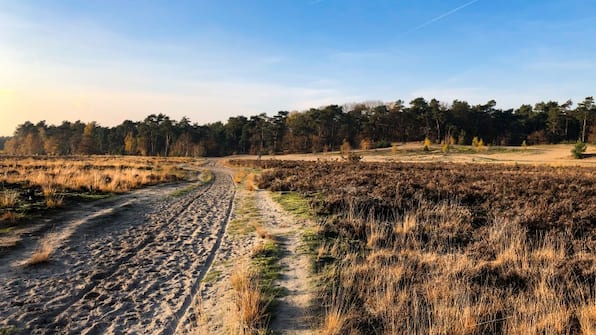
294 203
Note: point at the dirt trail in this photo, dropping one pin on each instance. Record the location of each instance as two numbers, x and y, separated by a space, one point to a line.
131 265
212 309
292 314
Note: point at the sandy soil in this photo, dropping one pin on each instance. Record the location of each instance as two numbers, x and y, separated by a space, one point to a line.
128 265
211 310
555 155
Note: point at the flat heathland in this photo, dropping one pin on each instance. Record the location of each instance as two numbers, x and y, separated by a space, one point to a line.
553 155
445 248
182 246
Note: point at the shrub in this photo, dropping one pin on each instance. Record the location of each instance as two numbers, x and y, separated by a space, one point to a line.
345 149
427 144
478 143
394 149
365 144
578 149
444 147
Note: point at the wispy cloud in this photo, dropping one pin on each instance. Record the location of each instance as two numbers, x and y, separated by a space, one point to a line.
442 16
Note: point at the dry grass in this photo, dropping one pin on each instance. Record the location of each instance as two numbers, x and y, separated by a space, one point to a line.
9 216
8 198
52 196
261 231
239 176
91 174
414 281
42 253
250 303
251 182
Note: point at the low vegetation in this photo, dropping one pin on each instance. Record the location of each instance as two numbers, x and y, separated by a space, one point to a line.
449 248
30 184
578 149
42 253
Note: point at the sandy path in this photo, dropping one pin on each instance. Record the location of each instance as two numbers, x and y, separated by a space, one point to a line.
132 267
292 315
213 313
213 308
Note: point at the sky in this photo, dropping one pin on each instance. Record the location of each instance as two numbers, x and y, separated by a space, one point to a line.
115 60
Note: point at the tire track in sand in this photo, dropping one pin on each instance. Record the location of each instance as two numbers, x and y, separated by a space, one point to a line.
109 272
115 279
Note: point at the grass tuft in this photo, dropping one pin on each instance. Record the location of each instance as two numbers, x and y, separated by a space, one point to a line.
42 253
8 198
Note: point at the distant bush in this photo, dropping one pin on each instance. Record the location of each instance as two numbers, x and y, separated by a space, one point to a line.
444 147
365 144
426 145
478 143
578 149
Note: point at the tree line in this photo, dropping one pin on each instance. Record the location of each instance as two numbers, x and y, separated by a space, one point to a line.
366 125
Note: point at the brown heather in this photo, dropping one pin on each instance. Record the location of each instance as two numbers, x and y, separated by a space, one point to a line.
450 249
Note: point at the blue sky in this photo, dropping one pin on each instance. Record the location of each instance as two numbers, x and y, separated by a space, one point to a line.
114 60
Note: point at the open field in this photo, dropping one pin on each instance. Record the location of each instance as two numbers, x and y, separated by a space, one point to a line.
30 185
449 248
554 155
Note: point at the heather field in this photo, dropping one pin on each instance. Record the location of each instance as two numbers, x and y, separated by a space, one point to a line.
445 248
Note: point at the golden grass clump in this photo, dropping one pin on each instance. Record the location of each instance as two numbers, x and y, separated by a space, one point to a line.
42 253
9 216
52 197
239 176
251 182
250 303
8 198
261 231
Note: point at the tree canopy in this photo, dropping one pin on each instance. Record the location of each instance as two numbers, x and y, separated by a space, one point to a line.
315 130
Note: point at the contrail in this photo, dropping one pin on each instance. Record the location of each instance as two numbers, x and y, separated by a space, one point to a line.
435 19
